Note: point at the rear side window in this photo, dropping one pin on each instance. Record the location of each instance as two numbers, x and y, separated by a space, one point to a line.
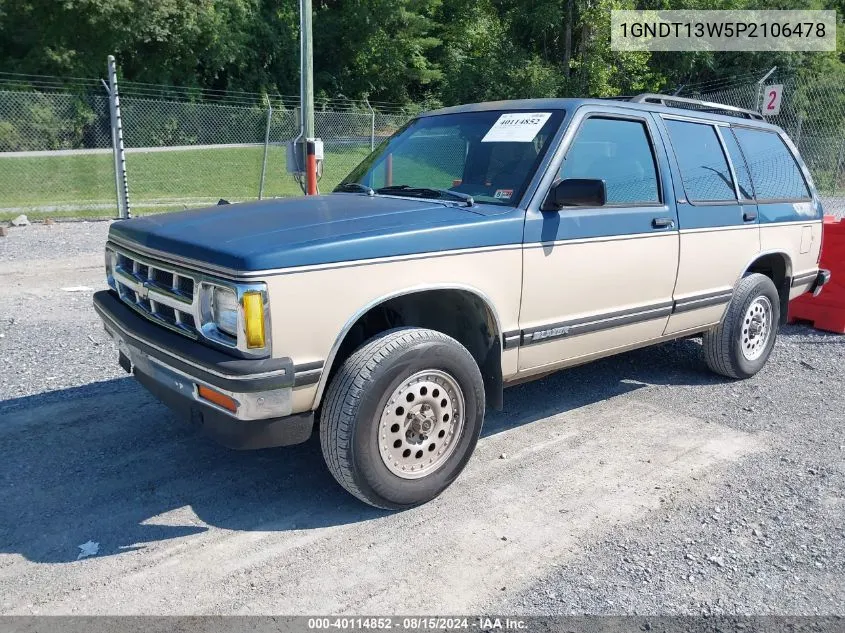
617 151
773 168
704 168
743 178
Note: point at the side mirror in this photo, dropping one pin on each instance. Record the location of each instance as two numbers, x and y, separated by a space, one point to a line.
575 192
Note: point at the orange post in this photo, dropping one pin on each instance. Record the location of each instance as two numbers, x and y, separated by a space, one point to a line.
310 169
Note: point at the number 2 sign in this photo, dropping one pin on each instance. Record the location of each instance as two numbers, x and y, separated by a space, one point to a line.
772 96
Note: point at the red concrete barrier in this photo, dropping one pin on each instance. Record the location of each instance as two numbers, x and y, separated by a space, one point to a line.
826 311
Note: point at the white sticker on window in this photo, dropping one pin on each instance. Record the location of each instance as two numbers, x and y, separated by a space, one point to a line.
516 127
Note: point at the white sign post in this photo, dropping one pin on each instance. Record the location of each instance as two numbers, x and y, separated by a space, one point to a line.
772 97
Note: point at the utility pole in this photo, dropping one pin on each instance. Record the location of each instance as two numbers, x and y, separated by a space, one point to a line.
306 96
567 39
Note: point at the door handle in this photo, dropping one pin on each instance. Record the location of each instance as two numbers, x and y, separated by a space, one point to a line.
749 216
663 223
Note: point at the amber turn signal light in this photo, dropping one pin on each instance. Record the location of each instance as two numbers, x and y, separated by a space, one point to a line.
253 304
220 399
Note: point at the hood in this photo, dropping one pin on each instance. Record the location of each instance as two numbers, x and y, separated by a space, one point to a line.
312 230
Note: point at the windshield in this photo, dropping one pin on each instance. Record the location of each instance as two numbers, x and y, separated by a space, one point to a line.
490 156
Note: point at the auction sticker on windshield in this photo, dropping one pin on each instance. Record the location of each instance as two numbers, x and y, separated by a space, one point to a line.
516 127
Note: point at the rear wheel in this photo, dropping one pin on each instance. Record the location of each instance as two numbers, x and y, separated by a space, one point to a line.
402 417
741 344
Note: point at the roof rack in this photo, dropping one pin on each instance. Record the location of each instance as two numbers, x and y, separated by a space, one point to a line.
706 106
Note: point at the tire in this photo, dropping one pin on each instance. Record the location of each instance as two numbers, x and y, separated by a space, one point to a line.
736 348
364 416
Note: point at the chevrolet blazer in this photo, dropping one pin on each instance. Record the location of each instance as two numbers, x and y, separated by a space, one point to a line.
479 246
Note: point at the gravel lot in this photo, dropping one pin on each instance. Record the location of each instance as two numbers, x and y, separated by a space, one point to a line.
637 484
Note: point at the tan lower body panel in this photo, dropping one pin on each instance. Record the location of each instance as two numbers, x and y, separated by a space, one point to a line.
799 241
580 280
561 281
802 241
711 261
340 294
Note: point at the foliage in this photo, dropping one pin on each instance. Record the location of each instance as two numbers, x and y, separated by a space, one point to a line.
403 51
35 121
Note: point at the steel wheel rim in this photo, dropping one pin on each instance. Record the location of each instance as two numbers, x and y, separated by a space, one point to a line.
756 328
421 424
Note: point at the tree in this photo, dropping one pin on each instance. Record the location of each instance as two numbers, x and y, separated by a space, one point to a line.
376 48
403 51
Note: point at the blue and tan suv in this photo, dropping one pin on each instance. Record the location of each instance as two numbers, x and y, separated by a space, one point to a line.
479 246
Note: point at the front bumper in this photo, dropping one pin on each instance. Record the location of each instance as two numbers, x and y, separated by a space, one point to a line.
173 367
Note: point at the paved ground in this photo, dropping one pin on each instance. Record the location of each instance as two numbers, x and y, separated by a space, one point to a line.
638 484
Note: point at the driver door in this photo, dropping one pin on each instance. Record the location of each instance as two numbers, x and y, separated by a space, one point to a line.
598 280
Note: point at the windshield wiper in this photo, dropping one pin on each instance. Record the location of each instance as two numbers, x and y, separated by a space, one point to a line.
355 186
427 192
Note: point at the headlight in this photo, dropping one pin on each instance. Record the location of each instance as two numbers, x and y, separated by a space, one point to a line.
224 307
235 315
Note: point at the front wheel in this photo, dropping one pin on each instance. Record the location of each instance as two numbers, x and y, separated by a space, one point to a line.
740 345
402 417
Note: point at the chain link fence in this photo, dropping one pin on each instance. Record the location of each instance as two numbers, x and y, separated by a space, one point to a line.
190 148
183 149
55 152
813 115
182 154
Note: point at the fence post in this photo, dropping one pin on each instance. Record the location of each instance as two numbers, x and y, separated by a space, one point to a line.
121 184
372 124
266 146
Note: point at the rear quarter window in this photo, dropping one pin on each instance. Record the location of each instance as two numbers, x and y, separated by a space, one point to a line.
774 171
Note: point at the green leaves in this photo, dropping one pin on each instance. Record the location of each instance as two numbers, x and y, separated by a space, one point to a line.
405 51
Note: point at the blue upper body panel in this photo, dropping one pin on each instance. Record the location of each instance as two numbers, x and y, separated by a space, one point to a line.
321 229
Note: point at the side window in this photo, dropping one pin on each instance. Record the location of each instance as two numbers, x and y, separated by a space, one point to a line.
743 178
616 151
704 168
773 168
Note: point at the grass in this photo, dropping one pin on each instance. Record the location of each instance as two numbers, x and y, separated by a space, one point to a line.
83 186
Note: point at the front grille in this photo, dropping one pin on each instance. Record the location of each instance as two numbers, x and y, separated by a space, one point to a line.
157 290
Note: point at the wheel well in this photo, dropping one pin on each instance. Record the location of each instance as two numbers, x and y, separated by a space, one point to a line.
778 268
461 314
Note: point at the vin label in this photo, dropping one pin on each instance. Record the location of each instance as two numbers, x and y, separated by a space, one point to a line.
689 30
